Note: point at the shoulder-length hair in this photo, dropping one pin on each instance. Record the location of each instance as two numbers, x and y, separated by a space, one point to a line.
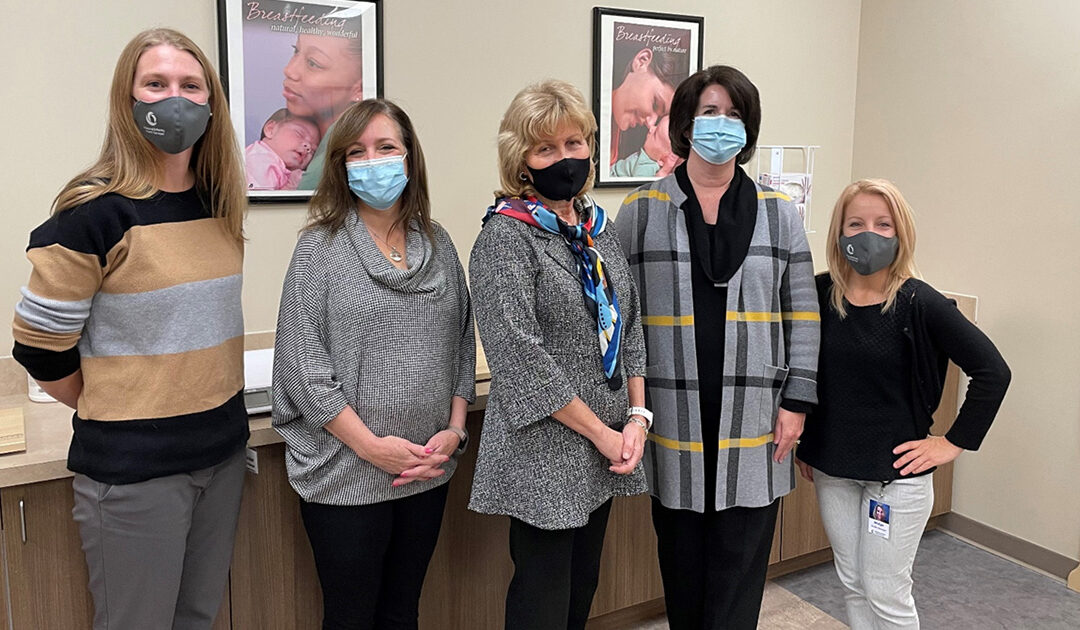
537 112
901 269
333 200
129 164
744 97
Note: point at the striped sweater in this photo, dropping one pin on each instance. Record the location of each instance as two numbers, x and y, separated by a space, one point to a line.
771 336
142 295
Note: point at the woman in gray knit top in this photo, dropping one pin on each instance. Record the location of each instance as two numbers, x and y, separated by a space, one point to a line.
558 315
374 367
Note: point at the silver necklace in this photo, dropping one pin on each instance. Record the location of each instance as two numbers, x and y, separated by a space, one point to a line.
395 255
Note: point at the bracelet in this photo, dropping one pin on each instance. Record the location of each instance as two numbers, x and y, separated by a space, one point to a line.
638 421
644 413
463 438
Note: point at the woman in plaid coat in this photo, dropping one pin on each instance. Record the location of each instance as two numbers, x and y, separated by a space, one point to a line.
731 324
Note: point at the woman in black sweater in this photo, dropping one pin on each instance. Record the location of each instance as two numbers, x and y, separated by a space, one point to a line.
886 339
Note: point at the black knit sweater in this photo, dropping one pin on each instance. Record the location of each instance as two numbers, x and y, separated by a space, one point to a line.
880 377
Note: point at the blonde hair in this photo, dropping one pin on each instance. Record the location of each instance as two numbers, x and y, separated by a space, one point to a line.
901 269
129 164
536 112
334 200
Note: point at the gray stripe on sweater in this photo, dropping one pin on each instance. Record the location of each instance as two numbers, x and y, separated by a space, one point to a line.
152 322
61 317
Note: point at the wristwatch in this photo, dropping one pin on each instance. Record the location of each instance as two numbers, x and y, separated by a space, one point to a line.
463 438
643 413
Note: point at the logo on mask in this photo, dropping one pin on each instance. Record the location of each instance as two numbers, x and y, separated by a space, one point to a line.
151 119
850 249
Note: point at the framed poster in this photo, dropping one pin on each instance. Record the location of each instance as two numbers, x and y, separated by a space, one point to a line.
290 69
638 60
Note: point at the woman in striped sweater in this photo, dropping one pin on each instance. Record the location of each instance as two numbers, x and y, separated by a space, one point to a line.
132 317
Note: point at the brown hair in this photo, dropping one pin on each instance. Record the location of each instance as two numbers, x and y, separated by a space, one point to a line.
667 66
536 112
902 268
334 200
684 104
128 164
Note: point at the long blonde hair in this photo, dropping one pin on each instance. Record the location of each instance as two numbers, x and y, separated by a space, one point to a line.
129 165
334 200
901 269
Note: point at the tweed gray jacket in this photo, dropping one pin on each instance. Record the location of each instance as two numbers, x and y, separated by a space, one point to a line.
395 345
771 336
542 347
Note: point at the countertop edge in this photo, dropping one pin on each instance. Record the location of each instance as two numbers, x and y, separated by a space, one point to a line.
55 466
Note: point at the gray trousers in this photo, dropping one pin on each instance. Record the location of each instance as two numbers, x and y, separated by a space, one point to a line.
875 572
158 551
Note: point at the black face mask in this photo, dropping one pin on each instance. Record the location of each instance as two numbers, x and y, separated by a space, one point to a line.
562 180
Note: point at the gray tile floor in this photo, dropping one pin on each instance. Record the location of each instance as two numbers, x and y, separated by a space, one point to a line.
959 586
780 610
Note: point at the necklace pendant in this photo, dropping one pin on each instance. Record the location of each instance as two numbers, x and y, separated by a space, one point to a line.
395 255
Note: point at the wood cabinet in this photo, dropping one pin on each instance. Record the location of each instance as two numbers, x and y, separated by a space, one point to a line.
46 569
273 578
466 581
801 530
274 585
629 569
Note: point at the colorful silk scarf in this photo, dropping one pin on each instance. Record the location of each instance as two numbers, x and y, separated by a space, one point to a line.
599 294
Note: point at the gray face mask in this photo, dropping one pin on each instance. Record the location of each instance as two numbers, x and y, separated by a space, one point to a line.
172 124
868 252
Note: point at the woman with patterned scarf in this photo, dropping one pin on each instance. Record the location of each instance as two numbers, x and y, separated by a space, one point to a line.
731 324
558 316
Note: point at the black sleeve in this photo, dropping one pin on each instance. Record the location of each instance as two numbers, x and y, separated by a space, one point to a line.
970 349
47 365
796 406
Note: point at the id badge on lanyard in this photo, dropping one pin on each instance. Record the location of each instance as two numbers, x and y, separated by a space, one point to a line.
879 515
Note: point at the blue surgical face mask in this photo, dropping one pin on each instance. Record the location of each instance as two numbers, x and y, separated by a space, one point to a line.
378 182
718 139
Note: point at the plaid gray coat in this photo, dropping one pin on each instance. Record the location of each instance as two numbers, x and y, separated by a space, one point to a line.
771 347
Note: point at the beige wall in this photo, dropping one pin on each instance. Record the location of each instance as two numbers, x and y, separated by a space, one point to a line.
973 108
451 65
965 104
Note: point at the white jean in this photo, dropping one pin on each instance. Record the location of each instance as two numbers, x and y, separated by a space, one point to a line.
875 572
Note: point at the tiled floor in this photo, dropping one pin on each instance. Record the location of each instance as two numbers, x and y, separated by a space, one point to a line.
780 610
957 587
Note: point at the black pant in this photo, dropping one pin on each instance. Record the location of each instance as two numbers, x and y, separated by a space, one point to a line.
555 573
713 565
372 559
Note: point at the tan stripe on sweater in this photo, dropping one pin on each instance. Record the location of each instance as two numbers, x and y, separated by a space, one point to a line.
136 387
63 274
161 255
27 335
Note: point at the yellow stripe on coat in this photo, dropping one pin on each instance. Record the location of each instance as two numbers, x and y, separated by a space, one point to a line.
648 194
765 316
772 194
667 320
697 447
